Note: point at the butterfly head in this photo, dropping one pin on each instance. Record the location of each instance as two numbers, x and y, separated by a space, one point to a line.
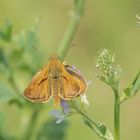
54 56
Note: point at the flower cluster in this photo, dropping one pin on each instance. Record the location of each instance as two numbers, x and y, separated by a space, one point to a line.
105 61
112 73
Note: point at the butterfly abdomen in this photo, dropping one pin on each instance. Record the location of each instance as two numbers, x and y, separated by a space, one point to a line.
56 87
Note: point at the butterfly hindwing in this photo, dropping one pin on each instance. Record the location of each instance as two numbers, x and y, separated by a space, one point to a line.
73 84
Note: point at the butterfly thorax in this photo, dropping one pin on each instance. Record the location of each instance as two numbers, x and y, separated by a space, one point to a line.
54 71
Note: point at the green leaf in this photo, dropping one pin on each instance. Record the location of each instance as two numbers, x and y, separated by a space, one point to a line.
16 54
52 131
136 83
88 123
127 92
5 93
137 86
136 78
17 101
105 132
100 129
3 58
134 87
25 67
6 33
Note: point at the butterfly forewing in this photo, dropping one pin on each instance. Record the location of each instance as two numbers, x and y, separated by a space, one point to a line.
39 89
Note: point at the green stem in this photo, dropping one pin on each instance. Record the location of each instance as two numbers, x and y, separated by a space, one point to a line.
96 128
31 125
62 50
116 116
71 29
86 117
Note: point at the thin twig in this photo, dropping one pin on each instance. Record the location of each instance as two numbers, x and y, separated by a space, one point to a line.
71 29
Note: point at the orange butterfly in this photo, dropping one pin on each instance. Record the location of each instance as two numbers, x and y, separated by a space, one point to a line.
57 80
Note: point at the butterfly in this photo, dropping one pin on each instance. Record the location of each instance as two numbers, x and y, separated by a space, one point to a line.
55 80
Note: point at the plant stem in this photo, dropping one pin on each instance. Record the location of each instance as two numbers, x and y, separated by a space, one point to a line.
71 29
62 50
31 125
116 115
86 117
96 128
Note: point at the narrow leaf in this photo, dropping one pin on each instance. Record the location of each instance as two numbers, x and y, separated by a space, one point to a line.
88 123
134 87
136 78
3 58
6 33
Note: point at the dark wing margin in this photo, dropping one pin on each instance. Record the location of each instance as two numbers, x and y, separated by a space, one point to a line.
76 73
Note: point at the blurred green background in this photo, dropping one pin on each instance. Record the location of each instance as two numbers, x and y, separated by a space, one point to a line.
105 24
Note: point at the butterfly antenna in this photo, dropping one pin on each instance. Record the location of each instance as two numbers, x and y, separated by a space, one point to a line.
40 52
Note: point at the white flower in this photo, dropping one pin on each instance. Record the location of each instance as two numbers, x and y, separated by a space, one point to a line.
84 99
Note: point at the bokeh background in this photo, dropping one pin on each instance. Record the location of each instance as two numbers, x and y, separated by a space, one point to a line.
105 24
